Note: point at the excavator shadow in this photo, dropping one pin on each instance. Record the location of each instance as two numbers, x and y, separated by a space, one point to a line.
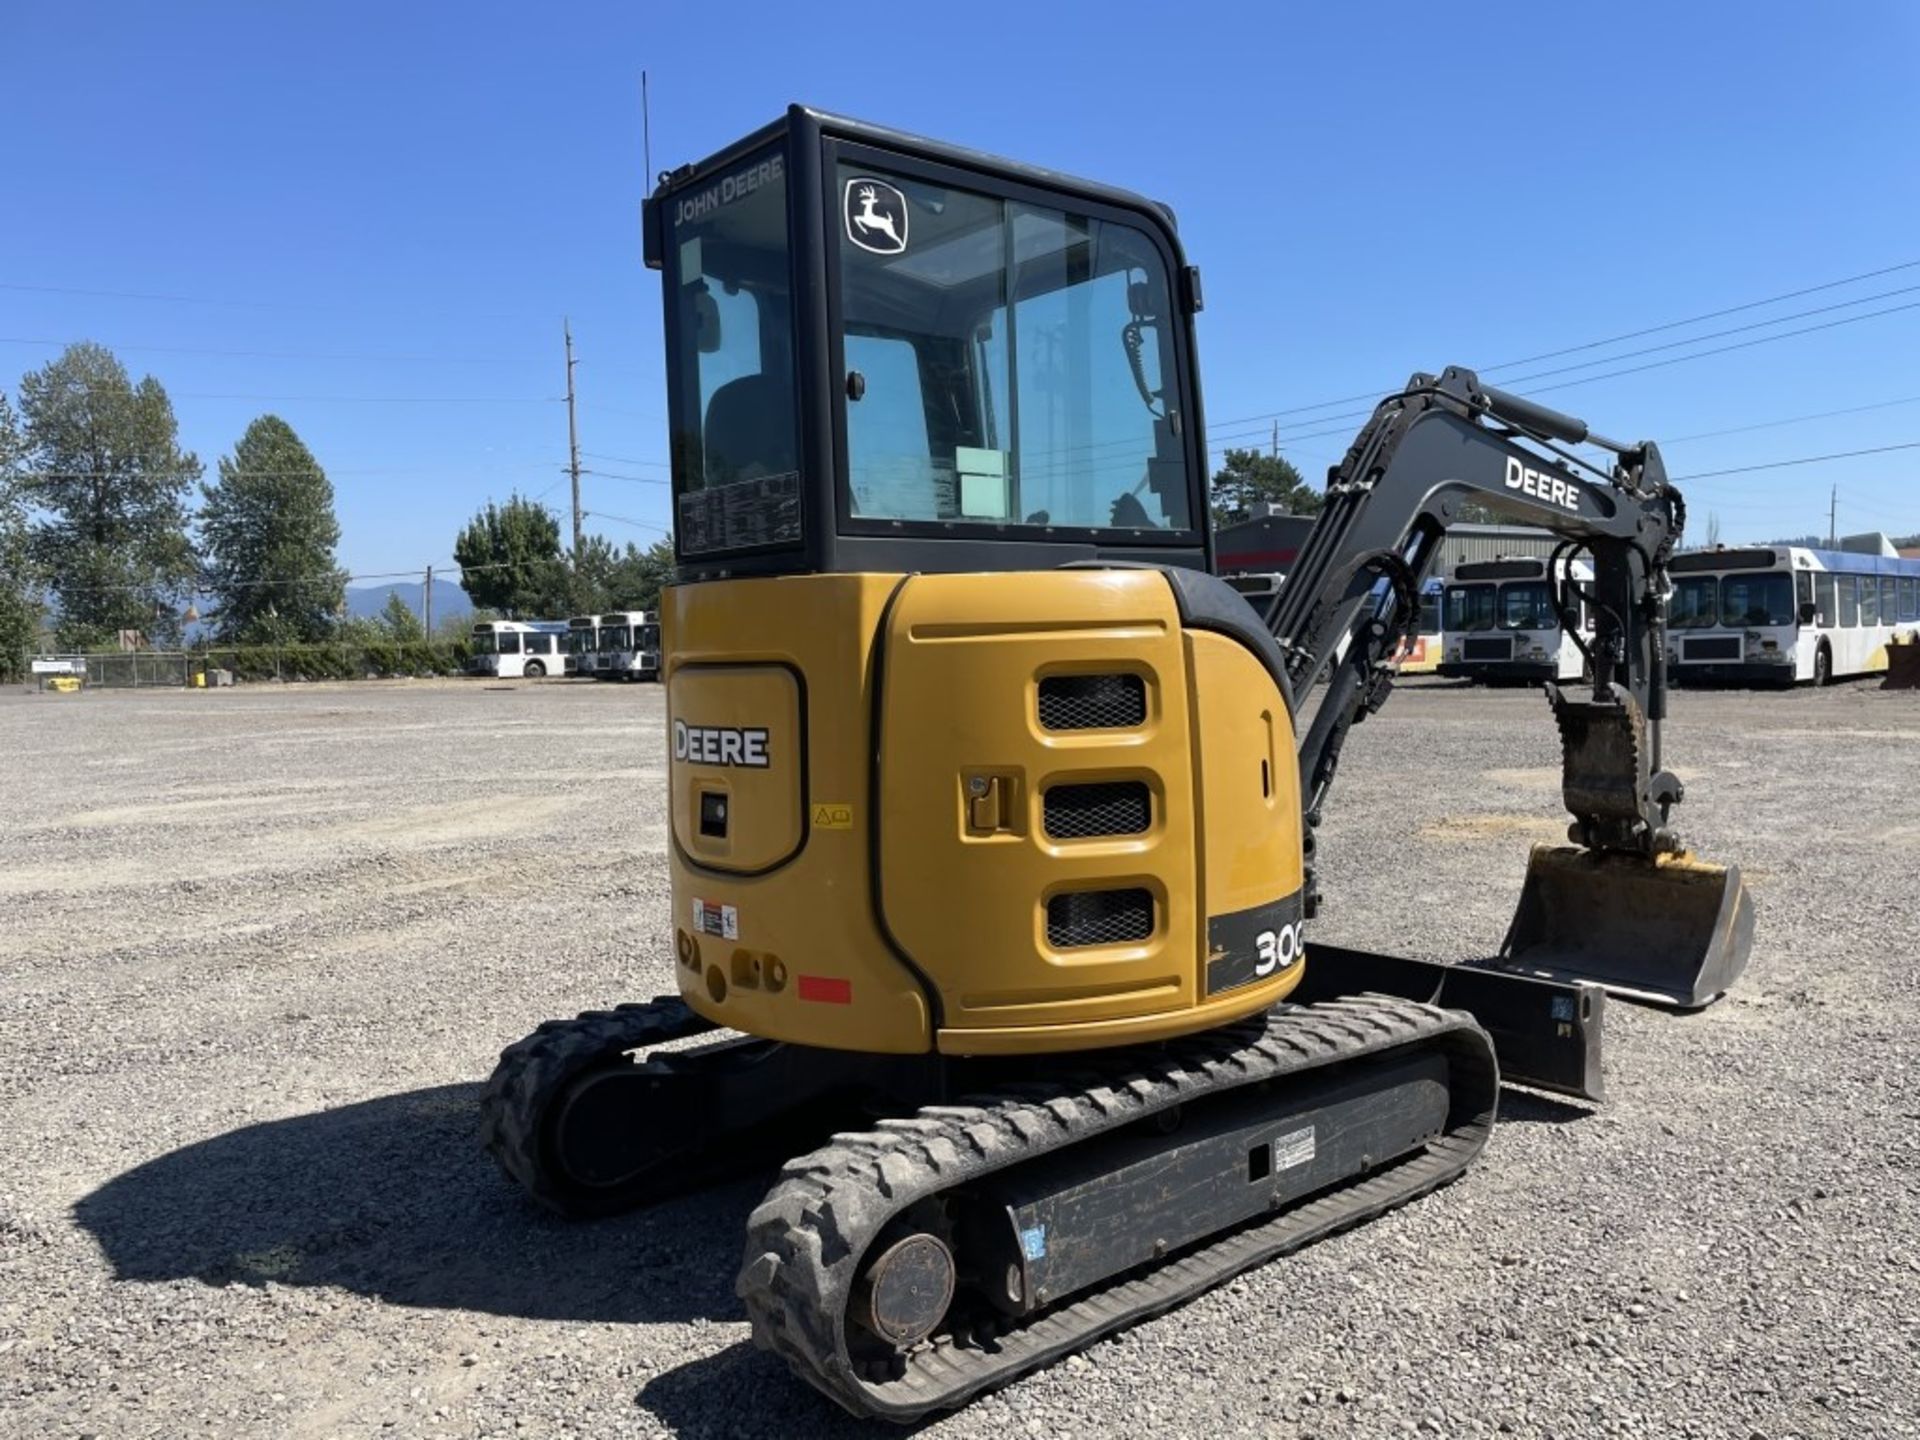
1529 1107
395 1198
706 1397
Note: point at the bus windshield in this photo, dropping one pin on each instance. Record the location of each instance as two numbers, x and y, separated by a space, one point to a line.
1526 605
1470 607
613 637
1695 604
481 642
1757 599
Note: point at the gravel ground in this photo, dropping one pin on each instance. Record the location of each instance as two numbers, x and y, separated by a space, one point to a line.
258 948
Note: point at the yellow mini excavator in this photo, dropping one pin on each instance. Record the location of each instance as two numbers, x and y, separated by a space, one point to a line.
994 811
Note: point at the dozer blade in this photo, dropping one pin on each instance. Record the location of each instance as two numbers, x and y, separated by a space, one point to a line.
1672 930
1903 667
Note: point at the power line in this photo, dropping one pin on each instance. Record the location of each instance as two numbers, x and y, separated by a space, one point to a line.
1802 460
1698 319
1724 349
140 295
625 460
200 582
381 399
1790 420
1719 334
1588 345
622 519
327 470
1631 369
630 479
258 354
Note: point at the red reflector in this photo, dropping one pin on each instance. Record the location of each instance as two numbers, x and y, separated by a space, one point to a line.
828 989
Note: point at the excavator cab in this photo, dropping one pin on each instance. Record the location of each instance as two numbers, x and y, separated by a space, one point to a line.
887 354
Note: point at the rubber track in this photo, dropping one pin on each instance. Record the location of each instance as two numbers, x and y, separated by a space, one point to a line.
807 1238
533 1072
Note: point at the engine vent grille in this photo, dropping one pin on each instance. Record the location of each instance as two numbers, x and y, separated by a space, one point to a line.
1497 649
1085 812
1092 702
1099 917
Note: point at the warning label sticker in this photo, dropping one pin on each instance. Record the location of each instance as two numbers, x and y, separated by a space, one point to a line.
1293 1148
712 919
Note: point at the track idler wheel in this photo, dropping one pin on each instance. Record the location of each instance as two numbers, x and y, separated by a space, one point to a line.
902 1294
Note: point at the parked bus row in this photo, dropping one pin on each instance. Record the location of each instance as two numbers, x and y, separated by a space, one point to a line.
1767 615
619 645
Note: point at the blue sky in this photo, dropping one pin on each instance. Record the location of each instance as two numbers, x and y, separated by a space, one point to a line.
384 211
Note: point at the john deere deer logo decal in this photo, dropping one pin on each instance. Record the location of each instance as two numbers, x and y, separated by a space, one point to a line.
876 216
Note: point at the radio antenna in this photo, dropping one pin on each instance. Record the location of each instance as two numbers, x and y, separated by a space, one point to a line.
646 129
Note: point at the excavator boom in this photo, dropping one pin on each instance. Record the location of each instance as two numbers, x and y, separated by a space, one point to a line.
1623 906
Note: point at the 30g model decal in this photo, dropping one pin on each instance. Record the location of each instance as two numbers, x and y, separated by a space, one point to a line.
1248 946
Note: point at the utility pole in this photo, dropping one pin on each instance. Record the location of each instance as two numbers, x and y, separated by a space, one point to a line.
426 603
573 450
1276 440
1833 512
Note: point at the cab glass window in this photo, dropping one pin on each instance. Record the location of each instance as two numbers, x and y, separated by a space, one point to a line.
508 642
1007 364
734 432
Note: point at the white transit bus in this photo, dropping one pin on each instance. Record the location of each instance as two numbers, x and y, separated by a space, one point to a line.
583 643
1498 622
628 646
516 649
1786 614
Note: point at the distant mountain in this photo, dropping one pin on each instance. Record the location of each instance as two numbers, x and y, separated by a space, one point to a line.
365 602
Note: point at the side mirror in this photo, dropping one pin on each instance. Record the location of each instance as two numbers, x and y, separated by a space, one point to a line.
1807 612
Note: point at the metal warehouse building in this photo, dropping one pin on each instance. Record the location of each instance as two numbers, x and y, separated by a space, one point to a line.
1269 542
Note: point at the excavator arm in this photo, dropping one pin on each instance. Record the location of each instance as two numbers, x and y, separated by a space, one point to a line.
1681 928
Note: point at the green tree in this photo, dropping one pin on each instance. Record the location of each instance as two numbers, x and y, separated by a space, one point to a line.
635 580
1252 477
399 621
105 470
19 606
510 560
267 531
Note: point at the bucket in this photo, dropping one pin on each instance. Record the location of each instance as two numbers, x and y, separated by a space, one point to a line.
1671 930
